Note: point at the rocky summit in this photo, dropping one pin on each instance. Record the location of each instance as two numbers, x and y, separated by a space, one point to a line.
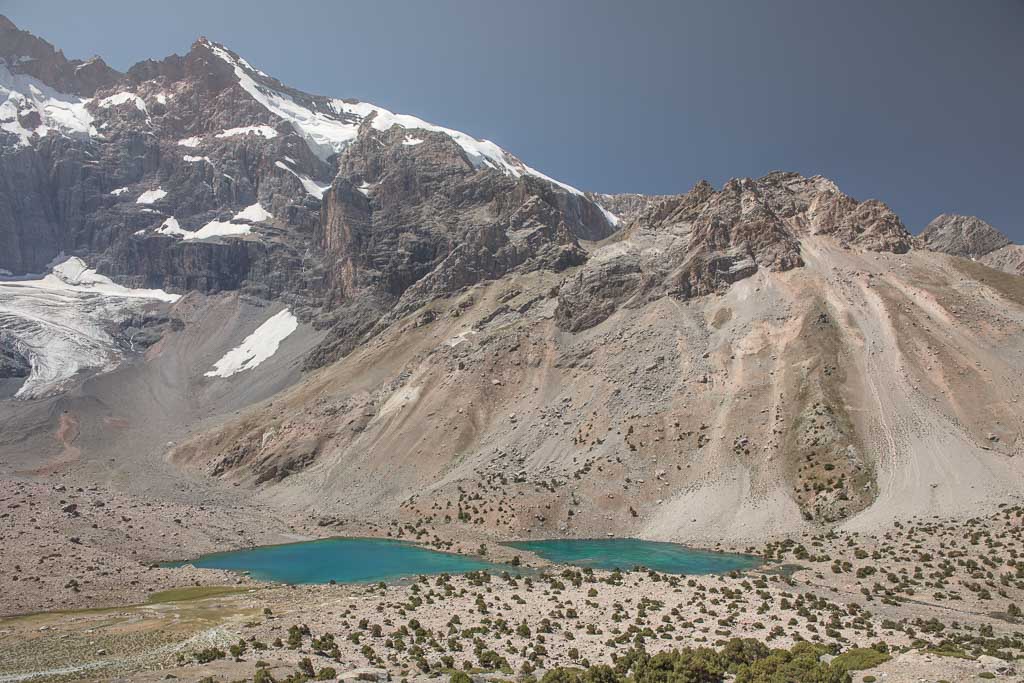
235 313
975 239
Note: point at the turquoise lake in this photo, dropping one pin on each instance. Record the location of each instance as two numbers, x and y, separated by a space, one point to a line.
626 553
345 560
363 560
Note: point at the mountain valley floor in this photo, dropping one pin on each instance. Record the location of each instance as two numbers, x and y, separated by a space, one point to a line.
84 601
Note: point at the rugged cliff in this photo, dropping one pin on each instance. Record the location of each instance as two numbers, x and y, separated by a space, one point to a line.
386 319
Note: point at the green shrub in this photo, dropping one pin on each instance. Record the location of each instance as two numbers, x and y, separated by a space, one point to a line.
208 655
798 664
858 658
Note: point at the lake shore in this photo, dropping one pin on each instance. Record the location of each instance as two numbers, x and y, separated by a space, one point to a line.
946 589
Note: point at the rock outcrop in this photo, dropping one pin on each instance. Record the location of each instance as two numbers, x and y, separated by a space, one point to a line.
966 236
701 242
737 362
970 237
200 172
1009 259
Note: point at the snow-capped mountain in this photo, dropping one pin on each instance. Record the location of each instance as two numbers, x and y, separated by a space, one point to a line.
201 172
360 312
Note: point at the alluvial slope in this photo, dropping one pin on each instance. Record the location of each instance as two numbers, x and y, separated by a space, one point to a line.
736 363
1009 259
445 332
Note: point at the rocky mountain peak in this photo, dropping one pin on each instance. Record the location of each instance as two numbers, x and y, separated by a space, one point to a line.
26 54
966 236
703 241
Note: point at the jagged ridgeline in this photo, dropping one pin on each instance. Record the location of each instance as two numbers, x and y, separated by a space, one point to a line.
356 312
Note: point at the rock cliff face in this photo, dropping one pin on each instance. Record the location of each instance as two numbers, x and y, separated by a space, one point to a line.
702 242
37 58
202 172
731 362
970 237
1009 259
965 236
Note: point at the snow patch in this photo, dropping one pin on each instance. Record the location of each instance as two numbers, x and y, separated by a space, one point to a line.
151 196
263 131
324 134
257 347
327 134
218 229
73 274
191 159
314 188
608 215
21 95
410 140
365 188
120 98
190 142
171 227
480 152
59 322
253 214
119 191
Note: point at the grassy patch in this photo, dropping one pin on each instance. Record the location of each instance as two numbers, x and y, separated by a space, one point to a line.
859 658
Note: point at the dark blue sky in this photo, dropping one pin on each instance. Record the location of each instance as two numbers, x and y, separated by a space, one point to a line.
919 103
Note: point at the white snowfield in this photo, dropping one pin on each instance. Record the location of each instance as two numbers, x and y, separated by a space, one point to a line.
257 347
217 229
329 133
61 322
19 94
264 131
171 227
120 98
254 213
74 275
151 196
313 188
240 224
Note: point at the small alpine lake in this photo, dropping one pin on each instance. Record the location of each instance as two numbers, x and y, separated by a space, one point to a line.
364 560
626 553
345 560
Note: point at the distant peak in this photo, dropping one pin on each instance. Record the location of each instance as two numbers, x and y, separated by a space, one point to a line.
966 236
204 43
6 24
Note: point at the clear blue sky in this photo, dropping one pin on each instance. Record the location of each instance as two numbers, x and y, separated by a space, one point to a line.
919 103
